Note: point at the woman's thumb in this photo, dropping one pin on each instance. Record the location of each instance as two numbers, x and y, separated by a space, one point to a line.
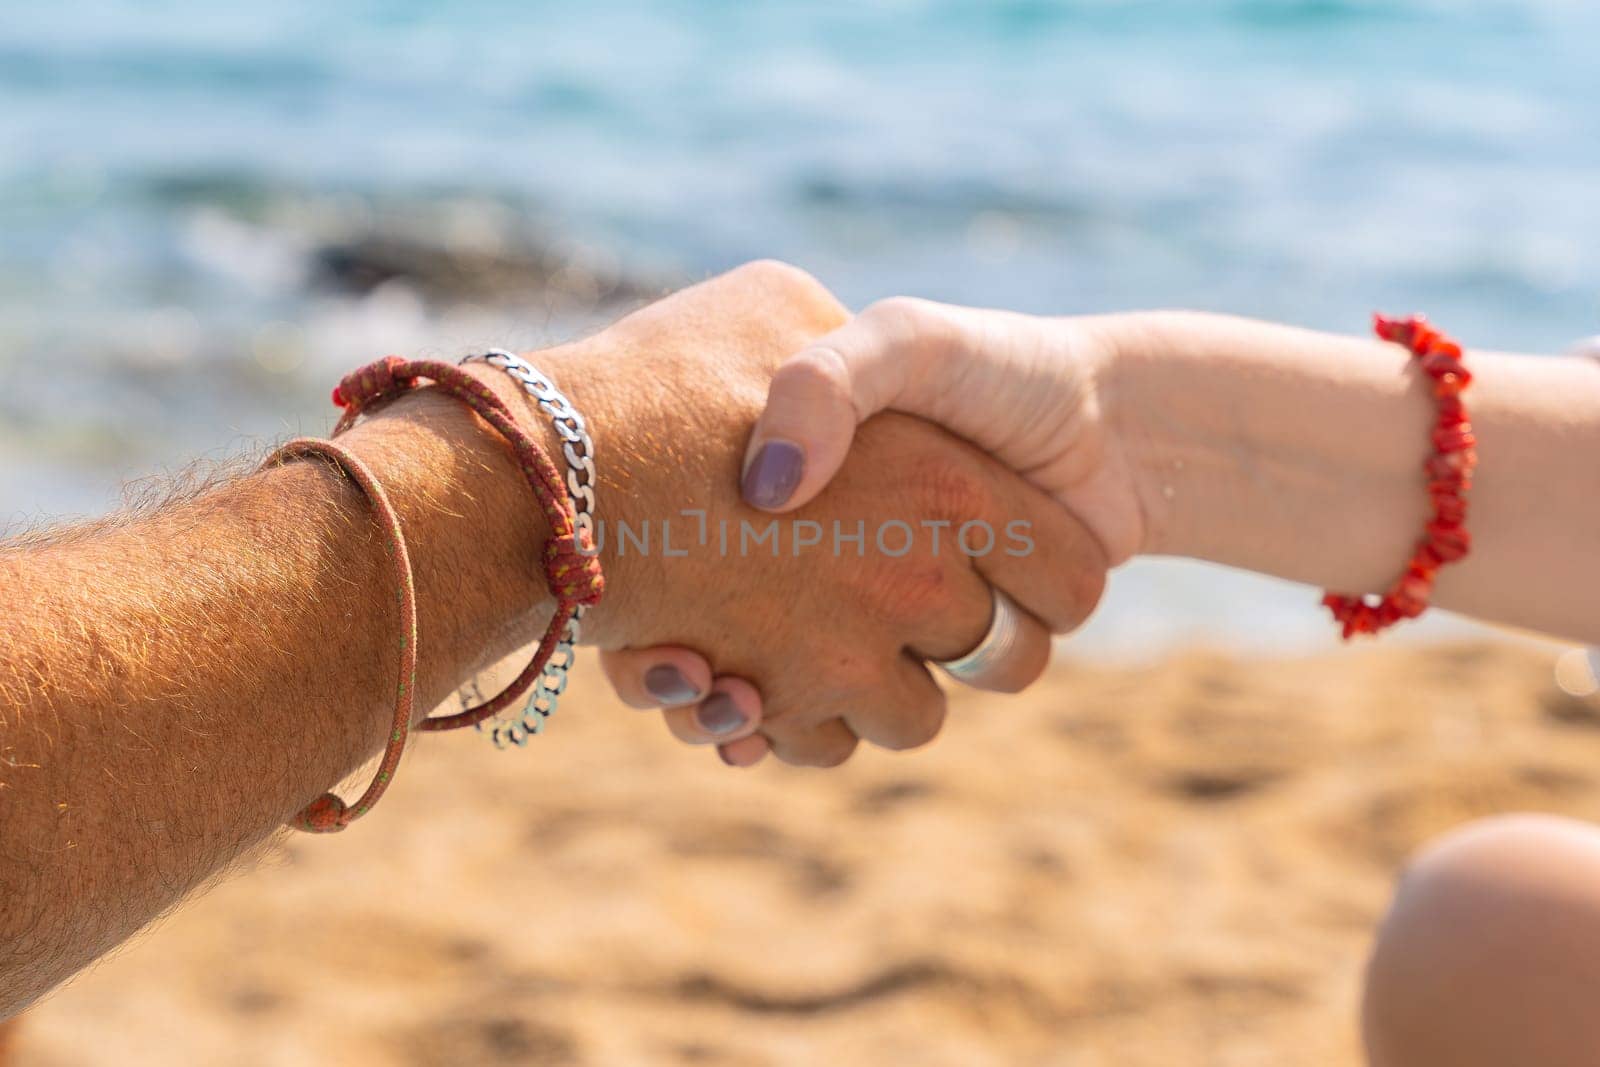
821 393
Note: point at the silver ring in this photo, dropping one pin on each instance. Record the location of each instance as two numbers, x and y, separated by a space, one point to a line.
994 650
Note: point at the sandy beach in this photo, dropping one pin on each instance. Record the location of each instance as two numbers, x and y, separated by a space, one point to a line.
1179 864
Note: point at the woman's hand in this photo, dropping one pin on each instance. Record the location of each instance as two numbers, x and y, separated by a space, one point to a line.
1029 391
1277 450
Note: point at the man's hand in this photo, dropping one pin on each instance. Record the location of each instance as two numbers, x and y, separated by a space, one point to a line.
175 684
833 633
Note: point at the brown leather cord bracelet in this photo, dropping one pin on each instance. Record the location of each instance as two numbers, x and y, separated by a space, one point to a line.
328 813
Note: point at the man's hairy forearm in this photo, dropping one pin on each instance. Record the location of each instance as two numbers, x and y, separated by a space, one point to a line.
173 687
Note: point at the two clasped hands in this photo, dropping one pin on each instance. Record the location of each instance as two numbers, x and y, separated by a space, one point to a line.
922 458
812 627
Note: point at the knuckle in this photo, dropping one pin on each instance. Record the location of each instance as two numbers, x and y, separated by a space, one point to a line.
916 728
825 744
795 287
1080 577
906 320
835 753
789 723
907 311
1063 589
777 273
1072 608
955 492
817 374
1088 586
910 591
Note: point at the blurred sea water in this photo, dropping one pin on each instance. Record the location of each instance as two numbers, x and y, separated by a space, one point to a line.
182 185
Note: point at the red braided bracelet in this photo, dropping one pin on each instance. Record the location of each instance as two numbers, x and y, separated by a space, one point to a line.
328 813
572 569
1449 472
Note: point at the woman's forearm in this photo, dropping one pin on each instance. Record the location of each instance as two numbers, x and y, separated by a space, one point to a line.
1300 454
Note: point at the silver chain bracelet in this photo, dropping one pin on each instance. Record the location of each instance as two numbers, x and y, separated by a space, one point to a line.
578 448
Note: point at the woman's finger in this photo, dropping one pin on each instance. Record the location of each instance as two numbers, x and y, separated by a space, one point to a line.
730 711
745 752
651 678
670 677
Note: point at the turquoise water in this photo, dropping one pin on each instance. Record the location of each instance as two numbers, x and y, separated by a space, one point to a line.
167 171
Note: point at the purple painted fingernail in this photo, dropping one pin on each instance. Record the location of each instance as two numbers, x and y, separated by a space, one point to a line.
667 684
771 478
719 715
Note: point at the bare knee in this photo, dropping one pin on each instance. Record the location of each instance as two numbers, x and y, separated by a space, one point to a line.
1490 953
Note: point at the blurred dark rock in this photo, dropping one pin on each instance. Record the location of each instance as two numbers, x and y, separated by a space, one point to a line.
447 273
